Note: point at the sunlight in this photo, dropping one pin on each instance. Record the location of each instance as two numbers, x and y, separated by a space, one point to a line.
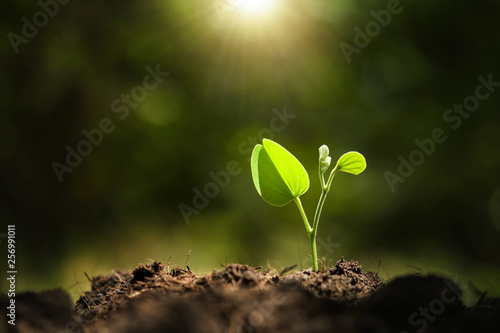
255 6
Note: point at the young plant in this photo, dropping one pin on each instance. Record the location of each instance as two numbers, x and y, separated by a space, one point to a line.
280 178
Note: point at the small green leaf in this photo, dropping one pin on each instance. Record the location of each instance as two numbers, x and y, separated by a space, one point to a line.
278 176
351 162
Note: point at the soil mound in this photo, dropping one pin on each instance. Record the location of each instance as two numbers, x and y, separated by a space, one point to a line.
240 298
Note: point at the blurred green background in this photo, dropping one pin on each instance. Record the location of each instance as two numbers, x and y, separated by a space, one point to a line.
235 77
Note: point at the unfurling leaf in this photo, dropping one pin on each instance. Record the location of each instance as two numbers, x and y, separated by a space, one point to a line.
351 162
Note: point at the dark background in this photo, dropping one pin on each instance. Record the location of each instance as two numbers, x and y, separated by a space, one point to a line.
230 74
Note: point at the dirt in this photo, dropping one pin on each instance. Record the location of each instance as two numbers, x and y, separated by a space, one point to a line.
240 298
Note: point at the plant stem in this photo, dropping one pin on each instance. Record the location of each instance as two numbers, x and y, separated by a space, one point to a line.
312 237
311 232
304 217
325 188
317 214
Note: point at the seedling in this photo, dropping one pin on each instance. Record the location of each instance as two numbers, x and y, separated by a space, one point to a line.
279 178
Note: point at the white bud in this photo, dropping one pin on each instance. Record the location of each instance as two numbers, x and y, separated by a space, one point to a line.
323 152
325 164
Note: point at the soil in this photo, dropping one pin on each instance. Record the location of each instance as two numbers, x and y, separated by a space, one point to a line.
240 298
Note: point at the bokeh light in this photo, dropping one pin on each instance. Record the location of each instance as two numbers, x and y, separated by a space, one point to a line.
235 67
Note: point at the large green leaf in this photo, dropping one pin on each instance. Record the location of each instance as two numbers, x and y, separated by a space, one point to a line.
351 162
278 176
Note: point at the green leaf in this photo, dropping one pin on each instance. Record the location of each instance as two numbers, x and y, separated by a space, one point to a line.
351 162
278 176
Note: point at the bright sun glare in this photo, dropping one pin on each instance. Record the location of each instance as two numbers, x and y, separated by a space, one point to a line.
255 6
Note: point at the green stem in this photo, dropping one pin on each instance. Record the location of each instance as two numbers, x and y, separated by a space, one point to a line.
317 214
310 233
325 188
324 192
321 176
304 217
314 252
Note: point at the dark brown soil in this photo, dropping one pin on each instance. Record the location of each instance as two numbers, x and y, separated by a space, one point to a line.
239 298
